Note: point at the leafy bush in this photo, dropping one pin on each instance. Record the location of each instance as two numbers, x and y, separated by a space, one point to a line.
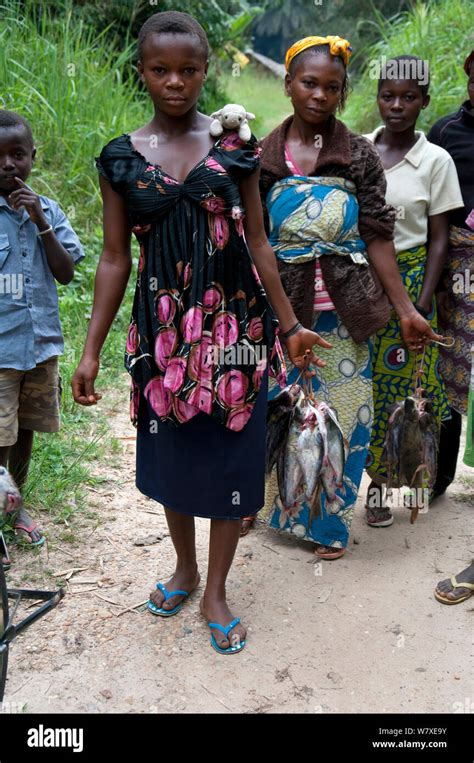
439 32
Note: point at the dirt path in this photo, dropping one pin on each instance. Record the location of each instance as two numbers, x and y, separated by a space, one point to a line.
363 633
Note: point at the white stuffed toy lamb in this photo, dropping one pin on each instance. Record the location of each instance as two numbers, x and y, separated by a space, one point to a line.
232 115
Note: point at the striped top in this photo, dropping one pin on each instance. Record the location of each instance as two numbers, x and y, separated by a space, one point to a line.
322 300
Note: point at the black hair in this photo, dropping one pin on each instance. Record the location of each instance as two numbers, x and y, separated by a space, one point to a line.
468 63
324 49
423 87
172 22
12 119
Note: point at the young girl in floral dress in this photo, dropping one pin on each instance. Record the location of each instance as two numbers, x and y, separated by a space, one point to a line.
203 335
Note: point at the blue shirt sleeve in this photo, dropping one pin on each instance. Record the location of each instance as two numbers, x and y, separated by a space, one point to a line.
65 233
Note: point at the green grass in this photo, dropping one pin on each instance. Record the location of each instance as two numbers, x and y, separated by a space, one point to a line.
73 89
437 31
267 101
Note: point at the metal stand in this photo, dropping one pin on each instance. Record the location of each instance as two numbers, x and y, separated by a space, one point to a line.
8 630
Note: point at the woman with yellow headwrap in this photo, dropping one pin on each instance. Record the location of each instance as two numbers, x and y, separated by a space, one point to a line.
323 189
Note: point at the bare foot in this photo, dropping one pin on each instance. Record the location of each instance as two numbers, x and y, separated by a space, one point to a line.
215 610
182 580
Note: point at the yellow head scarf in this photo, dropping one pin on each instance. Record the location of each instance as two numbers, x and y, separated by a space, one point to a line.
337 47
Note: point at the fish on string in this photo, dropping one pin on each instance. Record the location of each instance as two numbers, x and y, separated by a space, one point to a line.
280 412
306 443
411 444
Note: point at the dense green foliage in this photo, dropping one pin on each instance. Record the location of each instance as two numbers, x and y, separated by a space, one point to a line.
439 32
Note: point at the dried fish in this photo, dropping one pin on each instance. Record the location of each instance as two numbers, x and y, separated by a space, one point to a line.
310 456
411 446
310 453
292 478
390 454
280 413
430 431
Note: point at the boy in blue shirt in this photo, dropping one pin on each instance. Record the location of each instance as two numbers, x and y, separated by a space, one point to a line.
37 248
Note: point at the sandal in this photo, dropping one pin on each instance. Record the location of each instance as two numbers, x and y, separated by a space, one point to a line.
15 508
336 554
378 517
28 528
444 600
225 630
167 612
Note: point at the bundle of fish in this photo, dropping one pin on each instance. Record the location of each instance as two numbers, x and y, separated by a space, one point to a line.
306 443
411 448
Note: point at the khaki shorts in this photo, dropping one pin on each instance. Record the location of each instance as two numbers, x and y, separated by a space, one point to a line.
29 400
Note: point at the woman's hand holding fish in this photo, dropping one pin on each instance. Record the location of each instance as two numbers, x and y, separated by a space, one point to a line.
416 331
300 350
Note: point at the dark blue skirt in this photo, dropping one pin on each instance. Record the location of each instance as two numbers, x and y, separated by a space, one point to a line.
201 467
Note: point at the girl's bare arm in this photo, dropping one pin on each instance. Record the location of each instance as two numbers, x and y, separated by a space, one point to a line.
264 259
113 272
262 253
438 237
416 331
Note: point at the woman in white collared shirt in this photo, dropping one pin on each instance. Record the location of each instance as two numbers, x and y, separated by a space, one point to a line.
423 187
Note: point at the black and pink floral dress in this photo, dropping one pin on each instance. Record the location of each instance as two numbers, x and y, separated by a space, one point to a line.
203 336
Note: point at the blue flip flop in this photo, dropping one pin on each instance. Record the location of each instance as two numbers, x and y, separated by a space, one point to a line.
225 630
166 612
